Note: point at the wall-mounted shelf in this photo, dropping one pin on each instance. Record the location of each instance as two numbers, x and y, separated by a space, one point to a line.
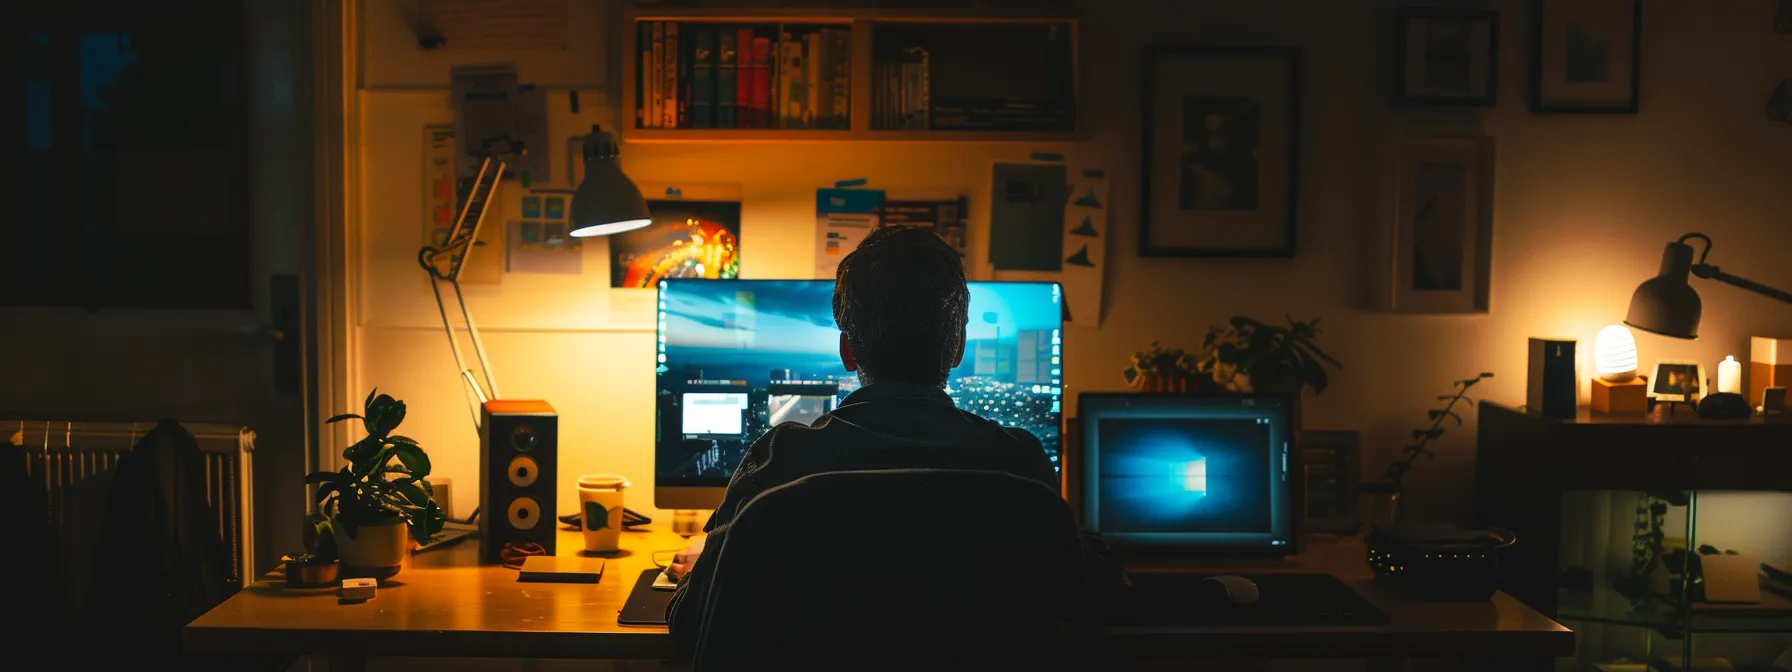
883 75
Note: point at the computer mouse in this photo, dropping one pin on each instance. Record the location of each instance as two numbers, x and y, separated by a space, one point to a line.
1239 590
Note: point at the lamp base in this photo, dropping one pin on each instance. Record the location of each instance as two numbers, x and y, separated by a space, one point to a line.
1626 398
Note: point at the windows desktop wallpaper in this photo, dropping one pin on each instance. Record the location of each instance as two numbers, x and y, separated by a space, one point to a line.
1177 475
738 357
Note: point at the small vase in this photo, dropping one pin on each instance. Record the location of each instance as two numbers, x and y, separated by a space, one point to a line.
1157 383
376 551
1379 504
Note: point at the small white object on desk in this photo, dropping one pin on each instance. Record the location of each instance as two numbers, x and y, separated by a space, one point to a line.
1729 376
359 589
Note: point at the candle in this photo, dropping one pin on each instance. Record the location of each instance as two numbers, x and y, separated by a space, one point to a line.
1729 376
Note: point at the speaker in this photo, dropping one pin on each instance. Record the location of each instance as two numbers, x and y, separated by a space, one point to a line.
519 443
1553 389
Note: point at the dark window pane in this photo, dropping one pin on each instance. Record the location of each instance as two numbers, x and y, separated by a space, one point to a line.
125 158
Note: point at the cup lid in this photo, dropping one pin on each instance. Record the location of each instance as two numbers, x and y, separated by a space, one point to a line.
603 481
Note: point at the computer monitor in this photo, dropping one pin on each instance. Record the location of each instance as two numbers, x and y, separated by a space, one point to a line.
738 357
1189 473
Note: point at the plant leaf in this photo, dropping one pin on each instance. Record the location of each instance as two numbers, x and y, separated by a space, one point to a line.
402 440
372 464
414 459
1434 414
367 405
320 477
413 493
340 418
1427 433
361 450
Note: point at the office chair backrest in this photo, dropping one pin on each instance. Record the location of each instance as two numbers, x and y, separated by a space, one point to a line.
899 569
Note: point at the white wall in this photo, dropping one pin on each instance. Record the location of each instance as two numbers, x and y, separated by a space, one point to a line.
1583 205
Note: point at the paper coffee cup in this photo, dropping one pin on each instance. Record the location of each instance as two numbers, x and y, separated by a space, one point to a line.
600 511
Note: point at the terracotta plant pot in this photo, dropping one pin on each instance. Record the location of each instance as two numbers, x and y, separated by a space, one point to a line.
376 551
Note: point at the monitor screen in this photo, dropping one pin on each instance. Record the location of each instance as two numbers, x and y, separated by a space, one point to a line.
738 357
1174 471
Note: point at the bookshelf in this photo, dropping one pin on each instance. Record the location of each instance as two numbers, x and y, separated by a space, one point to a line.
856 89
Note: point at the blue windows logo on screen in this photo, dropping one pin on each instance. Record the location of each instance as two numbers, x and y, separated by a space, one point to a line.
1179 475
1194 476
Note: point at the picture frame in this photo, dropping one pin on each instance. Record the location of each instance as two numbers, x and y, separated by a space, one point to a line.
1676 380
1586 56
1437 242
1446 56
1219 147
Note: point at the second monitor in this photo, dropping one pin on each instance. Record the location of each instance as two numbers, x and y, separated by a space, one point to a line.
738 357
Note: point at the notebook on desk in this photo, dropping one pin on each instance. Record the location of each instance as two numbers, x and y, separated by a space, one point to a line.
646 606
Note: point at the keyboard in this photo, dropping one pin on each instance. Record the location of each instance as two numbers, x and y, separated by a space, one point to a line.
450 533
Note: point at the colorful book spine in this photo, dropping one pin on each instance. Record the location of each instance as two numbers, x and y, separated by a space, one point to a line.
743 80
643 64
840 78
812 86
656 79
687 42
762 82
790 94
702 106
669 79
727 59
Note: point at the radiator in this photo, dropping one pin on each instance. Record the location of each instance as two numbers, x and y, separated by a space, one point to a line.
74 463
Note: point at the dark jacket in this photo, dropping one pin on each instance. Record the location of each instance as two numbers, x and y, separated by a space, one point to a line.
881 426
160 562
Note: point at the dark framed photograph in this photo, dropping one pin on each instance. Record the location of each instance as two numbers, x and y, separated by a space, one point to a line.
1587 56
1219 149
1439 239
1446 56
1676 380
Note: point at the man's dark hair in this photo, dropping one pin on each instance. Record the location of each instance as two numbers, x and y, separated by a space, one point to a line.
901 301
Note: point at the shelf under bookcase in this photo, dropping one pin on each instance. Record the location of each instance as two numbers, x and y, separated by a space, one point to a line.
862 25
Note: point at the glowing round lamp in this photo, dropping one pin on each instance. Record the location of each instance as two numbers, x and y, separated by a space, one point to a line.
1614 354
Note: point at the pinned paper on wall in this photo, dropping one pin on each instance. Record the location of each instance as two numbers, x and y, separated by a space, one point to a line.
441 206
842 218
945 217
543 246
1078 241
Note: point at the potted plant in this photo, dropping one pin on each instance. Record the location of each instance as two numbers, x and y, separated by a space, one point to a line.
1246 355
381 500
1157 369
318 565
1382 499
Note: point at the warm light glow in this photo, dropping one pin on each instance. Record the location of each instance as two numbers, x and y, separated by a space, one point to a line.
610 229
1614 354
1729 376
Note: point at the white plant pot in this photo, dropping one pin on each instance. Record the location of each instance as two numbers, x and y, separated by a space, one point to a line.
377 550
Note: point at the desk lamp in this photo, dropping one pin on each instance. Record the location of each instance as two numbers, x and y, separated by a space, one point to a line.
1667 305
606 203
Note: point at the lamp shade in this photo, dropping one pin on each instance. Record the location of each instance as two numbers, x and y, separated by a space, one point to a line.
1614 354
607 202
1666 304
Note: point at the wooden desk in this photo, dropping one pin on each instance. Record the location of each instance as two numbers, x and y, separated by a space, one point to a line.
445 605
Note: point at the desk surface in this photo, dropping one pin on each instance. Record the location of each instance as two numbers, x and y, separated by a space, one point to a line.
446 605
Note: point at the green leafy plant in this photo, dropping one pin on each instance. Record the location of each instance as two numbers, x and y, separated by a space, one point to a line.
384 481
1246 354
1422 437
1168 367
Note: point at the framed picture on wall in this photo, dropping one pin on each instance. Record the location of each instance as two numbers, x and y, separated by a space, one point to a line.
1219 149
1586 56
1446 56
1438 241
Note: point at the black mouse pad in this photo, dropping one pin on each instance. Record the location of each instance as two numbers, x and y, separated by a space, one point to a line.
646 606
1283 599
